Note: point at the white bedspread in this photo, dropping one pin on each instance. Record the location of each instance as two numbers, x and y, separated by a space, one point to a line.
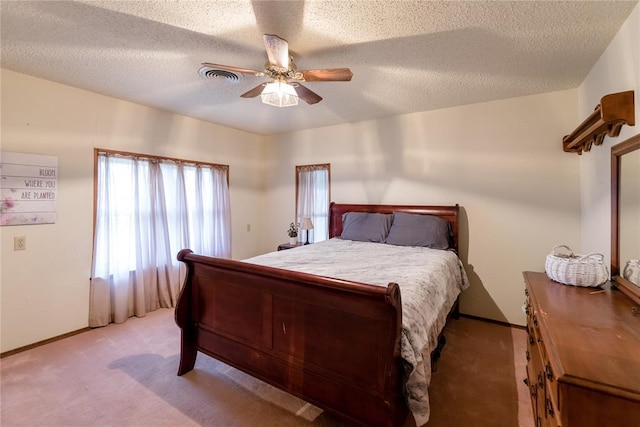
429 279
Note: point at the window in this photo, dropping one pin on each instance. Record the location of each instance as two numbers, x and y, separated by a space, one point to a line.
146 210
312 200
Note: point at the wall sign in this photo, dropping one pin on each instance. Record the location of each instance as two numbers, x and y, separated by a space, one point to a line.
28 188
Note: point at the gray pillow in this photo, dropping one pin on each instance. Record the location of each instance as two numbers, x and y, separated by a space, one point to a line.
366 226
420 230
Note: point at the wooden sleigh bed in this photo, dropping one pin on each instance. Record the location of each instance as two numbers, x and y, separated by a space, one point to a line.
334 343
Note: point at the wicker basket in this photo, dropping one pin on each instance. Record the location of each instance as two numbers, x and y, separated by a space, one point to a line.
576 270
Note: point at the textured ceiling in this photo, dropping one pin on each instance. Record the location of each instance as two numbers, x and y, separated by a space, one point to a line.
406 56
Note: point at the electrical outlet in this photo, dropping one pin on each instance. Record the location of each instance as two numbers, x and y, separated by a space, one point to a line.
20 243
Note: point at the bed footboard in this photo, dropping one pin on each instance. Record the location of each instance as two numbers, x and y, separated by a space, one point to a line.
331 342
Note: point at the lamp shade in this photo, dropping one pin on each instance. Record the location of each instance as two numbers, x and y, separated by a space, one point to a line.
307 224
279 94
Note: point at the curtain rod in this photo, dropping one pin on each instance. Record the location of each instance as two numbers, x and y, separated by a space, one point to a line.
105 152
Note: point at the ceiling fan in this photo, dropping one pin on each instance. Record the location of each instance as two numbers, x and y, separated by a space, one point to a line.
285 88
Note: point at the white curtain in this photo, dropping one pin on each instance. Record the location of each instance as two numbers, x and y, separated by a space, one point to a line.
313 201
148 209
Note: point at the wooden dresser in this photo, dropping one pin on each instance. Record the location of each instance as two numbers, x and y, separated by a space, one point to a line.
583 355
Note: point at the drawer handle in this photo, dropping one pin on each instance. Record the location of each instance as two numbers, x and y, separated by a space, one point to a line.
549 407
535 320
540 381
548 372
528 355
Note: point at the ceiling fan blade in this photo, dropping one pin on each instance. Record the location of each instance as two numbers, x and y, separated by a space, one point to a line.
327 75
277 50
254 92
231 68
306 94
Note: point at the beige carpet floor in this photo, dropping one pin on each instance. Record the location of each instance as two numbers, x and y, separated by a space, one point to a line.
125 375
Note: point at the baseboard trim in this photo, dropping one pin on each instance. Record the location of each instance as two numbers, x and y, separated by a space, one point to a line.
41 343
79 331
497 322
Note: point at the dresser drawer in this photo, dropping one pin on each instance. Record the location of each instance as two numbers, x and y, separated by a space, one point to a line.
540 373
550 378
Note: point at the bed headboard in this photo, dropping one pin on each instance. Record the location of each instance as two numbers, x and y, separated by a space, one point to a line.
450 213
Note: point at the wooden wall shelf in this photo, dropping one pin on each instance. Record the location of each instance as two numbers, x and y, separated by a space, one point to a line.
614 111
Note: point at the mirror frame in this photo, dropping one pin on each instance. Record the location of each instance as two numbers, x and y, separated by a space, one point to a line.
628 288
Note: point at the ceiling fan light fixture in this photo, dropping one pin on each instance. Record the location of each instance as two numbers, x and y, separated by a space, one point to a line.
279 94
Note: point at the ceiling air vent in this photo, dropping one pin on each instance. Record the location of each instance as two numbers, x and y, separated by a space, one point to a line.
218 74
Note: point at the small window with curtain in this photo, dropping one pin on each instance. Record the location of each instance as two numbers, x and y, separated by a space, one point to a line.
147 209
312 202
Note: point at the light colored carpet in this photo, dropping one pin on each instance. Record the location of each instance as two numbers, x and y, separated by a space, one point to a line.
125 375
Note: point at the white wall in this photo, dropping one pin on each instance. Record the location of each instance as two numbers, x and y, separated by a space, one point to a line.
617 70
45 289
501 161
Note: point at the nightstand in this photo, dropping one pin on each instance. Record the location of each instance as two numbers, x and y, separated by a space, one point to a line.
284 246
